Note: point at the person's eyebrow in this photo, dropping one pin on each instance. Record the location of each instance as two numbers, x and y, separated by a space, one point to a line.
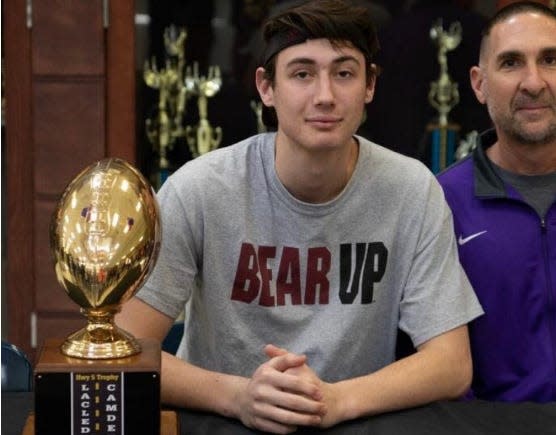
509 54
310 61
300 60
516 54
346 58
548 50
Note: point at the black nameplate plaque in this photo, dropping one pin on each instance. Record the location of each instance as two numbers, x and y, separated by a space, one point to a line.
76 396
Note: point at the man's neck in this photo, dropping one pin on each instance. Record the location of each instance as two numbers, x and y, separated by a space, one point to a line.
315 176
524 159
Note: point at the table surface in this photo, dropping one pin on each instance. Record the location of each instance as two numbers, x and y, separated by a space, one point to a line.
454 418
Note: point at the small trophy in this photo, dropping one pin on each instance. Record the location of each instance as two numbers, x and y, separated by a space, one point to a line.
105 238
203 137
176 84
443 96
166 127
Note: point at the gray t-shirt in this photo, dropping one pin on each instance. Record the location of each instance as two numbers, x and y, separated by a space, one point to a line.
538 191
333 281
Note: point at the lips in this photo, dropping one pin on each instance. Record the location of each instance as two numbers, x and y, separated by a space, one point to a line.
533 110
533 107
533 113
323 122
528 104
323 119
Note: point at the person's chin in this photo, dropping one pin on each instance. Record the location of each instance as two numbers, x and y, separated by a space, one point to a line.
537 132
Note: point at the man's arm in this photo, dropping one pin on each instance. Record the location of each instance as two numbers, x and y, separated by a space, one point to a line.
440 369
270 400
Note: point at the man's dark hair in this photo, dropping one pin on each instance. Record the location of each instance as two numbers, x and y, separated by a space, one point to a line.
512 9
516 9
336 20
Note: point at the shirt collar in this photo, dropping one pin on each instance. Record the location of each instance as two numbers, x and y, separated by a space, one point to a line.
487 182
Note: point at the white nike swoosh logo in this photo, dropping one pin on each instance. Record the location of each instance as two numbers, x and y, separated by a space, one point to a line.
463 241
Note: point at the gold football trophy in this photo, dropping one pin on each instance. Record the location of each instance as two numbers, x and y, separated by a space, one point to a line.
105 236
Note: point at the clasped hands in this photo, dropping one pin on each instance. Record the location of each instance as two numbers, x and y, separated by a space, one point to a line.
285 393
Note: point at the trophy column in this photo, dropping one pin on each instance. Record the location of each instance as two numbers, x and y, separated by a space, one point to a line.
443 96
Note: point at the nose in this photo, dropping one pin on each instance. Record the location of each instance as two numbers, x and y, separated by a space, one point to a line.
533 81
324 93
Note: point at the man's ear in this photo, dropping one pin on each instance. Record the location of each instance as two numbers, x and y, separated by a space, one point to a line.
477 79
264 87
371 83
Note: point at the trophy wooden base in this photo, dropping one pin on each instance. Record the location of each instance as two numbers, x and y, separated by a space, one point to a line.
169 424
84 396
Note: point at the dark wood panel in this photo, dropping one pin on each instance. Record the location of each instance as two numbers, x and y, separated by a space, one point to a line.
50 295
120 82
68 131
19 178
69 89
68 37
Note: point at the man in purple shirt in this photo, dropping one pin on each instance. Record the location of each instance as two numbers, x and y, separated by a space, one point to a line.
503 198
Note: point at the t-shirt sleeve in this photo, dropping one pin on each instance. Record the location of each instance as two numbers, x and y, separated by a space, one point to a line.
172 279
438 296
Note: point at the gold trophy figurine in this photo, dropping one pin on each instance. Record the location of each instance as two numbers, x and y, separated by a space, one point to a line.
159 131
163 129
174 43
203 137
105 237
443 96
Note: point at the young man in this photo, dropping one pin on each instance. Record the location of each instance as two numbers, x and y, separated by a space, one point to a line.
300 252
503 200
